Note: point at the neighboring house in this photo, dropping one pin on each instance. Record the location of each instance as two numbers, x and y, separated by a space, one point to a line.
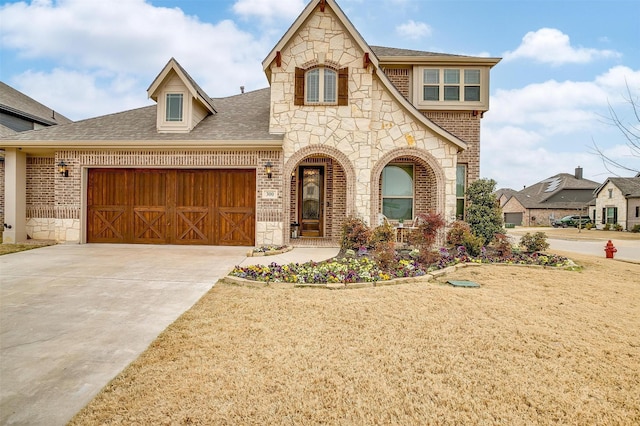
503 195
20 113
560 195
344 129
618 202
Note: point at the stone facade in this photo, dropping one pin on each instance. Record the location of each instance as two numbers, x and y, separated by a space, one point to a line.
364 136
611 196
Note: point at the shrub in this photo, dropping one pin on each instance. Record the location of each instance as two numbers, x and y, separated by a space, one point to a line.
473 244
355 234
385 254
617 227
502 245
534 243
589 226
636 228
484 214
456 233
606 227
426 230
382 234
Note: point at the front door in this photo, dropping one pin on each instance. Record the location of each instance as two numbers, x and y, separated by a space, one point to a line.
311 201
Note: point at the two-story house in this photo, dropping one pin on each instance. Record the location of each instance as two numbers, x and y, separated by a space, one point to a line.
344 129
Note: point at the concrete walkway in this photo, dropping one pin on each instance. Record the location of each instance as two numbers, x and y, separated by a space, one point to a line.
73 316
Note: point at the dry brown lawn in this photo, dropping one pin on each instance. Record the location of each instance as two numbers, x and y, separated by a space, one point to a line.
531 346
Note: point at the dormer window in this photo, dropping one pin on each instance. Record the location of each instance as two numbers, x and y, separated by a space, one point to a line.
174 107
321 86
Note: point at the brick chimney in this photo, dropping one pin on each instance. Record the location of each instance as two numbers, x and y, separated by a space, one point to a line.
578 172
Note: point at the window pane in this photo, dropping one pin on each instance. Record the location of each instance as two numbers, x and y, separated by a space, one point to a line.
471 76
397 181
312 88
472 93
451 76
431 76
330 87
461 177
398 208
431 93
451 93
460 209
174 107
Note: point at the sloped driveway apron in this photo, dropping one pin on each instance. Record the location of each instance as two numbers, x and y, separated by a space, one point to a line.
73 316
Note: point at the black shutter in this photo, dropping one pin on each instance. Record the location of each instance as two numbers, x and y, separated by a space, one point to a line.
343 86
298 96
615 215
604 215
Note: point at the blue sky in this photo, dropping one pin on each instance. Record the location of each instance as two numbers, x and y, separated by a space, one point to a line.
564 62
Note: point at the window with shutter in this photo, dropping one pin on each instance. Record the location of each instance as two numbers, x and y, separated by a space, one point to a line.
321 86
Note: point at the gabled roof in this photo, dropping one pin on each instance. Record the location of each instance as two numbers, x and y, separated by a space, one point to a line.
190 83
242 120
630 187
373 59
544 194
17 103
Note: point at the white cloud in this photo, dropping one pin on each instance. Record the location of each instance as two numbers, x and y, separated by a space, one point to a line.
547 128
413 30
130 42
268 10
552 46
72 93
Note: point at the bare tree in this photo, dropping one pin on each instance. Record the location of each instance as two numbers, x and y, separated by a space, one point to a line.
631 132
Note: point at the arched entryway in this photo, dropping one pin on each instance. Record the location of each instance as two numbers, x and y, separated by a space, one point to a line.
320 185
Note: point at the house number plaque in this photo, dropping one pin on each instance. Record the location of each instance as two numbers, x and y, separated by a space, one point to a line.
269 194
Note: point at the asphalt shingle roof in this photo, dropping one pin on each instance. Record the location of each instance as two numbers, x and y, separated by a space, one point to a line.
630 187
16 102
239 117
392 51
538 196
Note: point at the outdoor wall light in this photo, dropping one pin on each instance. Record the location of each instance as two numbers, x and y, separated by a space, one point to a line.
267 169
63 169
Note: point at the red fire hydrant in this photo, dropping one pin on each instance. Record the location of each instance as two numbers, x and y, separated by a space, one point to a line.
609 249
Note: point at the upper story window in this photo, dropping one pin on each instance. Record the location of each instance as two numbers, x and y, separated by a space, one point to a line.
451 84
321 86
457 88
174 107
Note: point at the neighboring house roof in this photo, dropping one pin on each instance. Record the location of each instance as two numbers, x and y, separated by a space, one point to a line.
189 82
630 187
373 59
17 103
394 55
242 120
550 193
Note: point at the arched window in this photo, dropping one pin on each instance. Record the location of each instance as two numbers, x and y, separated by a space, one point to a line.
397 191
321 86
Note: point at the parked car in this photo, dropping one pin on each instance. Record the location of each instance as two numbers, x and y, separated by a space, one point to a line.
572 220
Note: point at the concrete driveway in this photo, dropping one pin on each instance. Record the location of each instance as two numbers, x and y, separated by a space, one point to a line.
73 316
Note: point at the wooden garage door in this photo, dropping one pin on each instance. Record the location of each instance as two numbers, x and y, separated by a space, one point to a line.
215 207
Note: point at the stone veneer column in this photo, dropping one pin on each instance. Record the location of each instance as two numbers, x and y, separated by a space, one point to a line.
15 197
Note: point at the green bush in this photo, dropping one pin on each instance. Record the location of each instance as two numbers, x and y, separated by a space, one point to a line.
355 234
534 243
606 227
617 227
589 226
484 214
473 244
636 228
